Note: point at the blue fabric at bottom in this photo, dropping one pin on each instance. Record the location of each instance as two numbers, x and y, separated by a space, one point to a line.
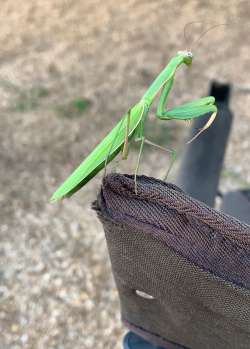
133 341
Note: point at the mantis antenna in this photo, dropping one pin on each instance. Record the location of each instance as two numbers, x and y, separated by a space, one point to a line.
202 34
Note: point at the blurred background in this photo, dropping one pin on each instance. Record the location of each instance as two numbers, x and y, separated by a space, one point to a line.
68 71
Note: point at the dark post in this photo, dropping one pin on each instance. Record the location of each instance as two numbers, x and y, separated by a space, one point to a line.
203 159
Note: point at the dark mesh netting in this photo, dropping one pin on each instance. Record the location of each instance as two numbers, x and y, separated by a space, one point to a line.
192 260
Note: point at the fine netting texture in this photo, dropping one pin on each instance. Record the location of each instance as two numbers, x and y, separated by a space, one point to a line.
192 259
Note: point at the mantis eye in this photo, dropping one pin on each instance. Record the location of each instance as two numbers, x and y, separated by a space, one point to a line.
186 54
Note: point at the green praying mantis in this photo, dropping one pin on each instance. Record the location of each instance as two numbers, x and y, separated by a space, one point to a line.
131 126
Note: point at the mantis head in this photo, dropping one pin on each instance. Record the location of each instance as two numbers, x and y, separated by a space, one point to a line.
187 55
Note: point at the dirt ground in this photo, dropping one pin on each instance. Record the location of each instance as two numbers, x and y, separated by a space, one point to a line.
56 287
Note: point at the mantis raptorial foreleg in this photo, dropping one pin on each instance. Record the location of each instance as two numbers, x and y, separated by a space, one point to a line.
187 111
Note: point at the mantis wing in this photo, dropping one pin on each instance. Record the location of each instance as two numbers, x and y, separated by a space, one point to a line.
104 152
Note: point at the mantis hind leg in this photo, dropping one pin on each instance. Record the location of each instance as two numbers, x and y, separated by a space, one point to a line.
125 145
111 146
143 140
172 154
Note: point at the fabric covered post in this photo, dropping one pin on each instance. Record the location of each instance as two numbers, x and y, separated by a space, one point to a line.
191 261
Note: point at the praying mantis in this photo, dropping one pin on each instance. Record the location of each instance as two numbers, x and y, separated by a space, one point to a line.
131 126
